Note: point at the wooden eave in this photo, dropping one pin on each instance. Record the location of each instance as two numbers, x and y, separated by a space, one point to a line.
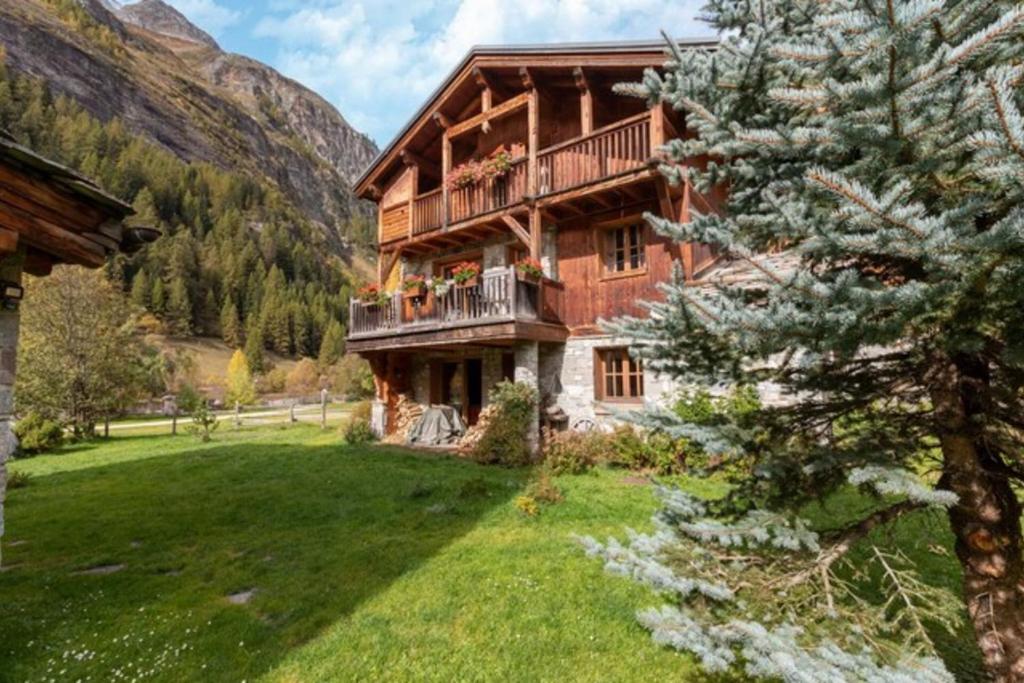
60 216
458 92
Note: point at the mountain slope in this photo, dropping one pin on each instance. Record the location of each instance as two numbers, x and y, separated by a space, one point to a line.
147 66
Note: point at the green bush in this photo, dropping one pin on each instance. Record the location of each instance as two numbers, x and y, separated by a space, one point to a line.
204 421
740 405
527 505
362 411
357 431
504 439
543 490
577 452
640 450
37 434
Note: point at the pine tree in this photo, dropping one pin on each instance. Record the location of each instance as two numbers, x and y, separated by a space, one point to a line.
254 344
333 346
158 296
140 290
179 308
230 325
880 146
241 388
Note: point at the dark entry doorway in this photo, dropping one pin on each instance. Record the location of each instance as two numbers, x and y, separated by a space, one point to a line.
474 389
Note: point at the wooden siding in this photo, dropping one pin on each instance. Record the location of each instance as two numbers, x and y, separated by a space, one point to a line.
394 223
579 268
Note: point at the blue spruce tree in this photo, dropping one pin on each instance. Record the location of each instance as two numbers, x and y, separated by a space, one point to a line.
874 158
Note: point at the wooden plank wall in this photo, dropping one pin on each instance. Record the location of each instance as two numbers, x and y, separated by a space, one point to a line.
588 297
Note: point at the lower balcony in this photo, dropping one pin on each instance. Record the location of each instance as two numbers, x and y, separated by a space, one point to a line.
497 308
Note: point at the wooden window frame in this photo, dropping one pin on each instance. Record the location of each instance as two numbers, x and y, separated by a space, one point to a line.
604 231
631 368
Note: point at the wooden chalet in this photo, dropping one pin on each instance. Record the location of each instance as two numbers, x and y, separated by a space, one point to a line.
48 215
523 152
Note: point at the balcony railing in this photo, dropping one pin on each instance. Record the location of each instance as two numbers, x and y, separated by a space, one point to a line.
428 211
489 195
615 149
497 297
607 152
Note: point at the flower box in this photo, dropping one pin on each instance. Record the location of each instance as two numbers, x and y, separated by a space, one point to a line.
466 274
529 270
414 287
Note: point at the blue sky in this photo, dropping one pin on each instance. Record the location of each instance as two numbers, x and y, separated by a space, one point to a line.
377 60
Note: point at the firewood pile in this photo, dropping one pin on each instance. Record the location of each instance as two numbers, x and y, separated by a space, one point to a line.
473 435
407 414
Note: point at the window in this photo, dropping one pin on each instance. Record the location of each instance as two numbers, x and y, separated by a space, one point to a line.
515 253
624 248
444 268
617 376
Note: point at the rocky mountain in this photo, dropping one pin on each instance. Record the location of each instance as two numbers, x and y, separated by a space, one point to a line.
147 65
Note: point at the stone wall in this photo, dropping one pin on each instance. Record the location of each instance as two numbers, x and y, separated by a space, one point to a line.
567 376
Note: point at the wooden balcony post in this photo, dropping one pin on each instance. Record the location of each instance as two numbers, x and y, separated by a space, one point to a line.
586 101
535 232
533 130
446 168
657 129
414 186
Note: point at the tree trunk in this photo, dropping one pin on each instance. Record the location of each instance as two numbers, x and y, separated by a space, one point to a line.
987 519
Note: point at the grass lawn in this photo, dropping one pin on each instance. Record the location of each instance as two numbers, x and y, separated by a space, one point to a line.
367 563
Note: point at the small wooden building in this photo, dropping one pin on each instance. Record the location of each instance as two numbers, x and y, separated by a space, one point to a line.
48 215
525 152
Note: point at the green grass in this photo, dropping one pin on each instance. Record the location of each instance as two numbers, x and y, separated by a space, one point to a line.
369 563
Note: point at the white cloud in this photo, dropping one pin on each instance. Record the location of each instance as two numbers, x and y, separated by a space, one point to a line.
212 17
378 60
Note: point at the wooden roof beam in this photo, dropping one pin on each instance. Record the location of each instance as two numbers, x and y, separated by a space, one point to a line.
486 89
506 108
426 167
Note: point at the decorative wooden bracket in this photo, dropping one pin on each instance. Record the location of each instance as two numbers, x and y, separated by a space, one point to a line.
527 76
443 122
486 89
389 265
518 229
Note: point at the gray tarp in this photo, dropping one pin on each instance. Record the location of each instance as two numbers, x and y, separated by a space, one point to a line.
439 425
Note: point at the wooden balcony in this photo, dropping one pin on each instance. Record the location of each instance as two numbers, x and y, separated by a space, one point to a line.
499 307
625 147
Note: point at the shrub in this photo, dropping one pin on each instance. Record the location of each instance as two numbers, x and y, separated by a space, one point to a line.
357 432
204 422
351 377
188 399
576 452
527 505
304 378
37 434
357 429
504 439
543 490
18 480
639 450
700 408
273 382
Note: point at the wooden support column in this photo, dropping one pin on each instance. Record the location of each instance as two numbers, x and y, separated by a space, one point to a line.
446 168
684 216
10 271
586 101
533 132
535 232
657 129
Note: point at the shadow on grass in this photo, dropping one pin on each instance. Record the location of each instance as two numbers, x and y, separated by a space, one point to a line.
313 530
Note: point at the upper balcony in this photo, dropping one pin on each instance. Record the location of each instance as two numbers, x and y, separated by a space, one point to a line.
619 152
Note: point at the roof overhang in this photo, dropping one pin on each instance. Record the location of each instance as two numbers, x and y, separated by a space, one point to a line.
643 53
